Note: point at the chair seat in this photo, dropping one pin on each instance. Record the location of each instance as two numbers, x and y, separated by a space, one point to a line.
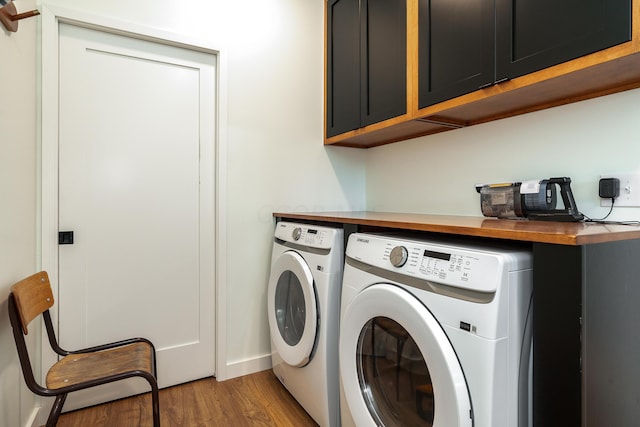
85 367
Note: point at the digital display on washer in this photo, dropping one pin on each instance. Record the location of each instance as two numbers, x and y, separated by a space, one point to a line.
437 255
312 231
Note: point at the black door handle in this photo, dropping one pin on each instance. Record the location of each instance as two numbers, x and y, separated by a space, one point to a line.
65 238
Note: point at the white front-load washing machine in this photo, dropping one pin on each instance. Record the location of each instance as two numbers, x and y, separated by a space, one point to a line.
435 333
304 313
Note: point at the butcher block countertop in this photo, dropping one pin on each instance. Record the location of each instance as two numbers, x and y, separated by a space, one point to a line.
560 233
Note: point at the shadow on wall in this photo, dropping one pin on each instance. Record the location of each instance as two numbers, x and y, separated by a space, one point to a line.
441 170
10 373
349 166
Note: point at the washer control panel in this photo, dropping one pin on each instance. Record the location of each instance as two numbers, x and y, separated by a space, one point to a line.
306 235
455 264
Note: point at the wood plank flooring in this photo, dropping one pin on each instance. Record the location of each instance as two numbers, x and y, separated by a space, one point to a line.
253 400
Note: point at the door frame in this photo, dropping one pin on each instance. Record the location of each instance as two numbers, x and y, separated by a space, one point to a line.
52 16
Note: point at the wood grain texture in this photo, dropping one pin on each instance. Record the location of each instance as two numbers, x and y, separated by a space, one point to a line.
33 296
78 368
561 233
253 400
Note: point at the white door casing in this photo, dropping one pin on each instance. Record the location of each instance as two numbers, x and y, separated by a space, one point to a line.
144 275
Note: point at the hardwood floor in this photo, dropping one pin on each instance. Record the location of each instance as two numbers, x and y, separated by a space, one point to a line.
253 400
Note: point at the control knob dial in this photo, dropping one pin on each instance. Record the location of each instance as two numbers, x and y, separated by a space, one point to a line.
297 232
398 256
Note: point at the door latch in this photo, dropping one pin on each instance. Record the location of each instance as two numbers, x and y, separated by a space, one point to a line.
65 238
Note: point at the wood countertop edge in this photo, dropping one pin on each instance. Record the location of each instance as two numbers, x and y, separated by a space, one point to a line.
559 233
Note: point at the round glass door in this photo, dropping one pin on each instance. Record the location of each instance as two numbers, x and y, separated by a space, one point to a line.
398 368
289 308
292 309
394 377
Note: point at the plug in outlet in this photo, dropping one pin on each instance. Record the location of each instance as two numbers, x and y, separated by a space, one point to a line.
629 190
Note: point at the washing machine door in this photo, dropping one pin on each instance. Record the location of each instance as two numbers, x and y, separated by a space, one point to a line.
293 309
397 366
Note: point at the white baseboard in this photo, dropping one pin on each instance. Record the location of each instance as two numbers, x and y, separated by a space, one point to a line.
247 366
38 417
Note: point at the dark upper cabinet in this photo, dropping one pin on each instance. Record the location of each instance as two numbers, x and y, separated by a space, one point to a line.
366 63
456 42
383 47
400 69
536 34
464 46
343 66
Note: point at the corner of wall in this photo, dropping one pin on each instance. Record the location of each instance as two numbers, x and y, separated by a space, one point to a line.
247 367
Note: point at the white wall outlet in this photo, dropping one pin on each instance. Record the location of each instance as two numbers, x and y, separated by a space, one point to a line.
629 190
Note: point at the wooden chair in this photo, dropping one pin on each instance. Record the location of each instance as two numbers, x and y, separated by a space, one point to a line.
81 369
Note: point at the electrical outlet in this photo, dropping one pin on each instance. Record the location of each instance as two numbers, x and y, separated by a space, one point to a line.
629 190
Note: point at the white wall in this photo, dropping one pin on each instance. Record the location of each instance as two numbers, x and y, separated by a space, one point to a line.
18 124
437 174
276 161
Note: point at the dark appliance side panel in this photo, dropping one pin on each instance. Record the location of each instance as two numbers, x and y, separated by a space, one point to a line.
557 313
611 339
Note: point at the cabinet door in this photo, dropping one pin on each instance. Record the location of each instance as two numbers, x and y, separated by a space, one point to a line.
535 34
384 60
456 48
343 66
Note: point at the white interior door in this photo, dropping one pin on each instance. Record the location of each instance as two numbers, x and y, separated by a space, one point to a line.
136 137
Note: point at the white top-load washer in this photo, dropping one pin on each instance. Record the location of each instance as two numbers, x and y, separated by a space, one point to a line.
303 301
435 333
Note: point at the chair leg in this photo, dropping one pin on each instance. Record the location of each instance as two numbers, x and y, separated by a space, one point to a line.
155 402
56 410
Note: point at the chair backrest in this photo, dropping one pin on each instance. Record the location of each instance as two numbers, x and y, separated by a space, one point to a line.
33 296
28 299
